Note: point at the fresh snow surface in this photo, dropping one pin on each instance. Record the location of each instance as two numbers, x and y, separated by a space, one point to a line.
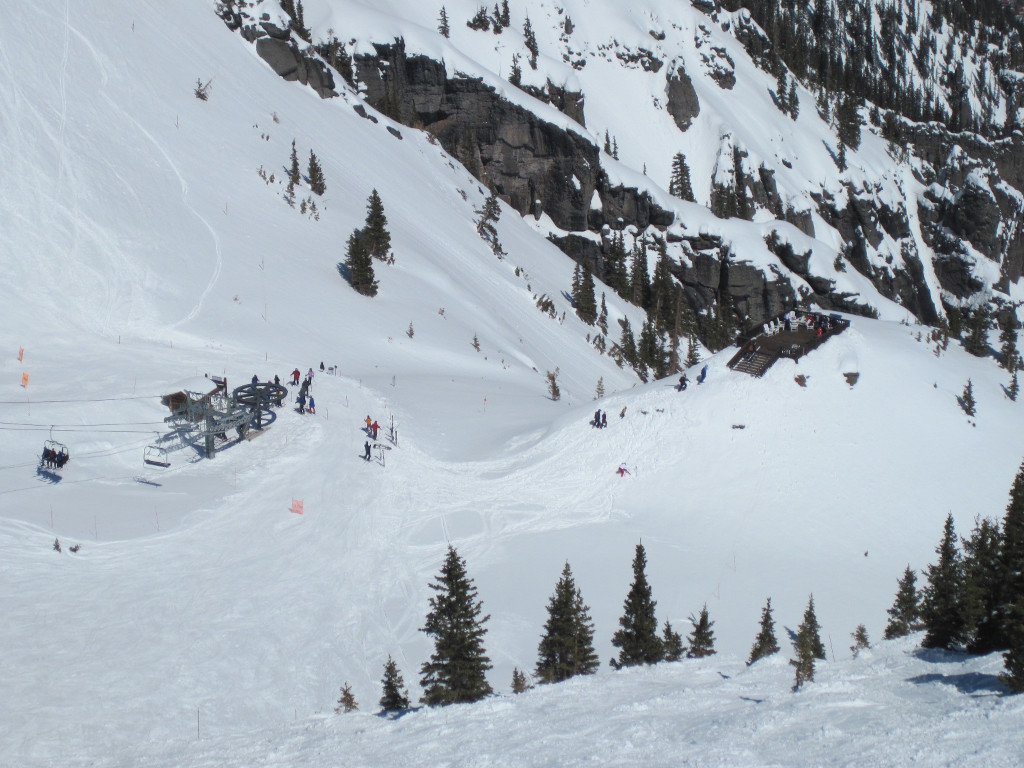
203 623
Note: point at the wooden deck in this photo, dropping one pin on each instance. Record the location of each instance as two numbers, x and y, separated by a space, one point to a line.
758 353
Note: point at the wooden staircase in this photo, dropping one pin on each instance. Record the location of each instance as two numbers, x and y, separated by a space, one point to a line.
755 363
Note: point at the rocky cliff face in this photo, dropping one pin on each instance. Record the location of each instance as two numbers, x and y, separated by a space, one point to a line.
921 250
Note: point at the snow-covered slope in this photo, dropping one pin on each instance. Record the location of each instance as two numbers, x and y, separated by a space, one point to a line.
142 247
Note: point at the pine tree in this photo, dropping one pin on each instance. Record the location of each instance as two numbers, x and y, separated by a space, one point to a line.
663 295
1014 389
860 640
904 615
519 684
456 670
983 588
375 233
841 158
599 391
765 644
516 74
394 697
1009 357
672 643
702 638
442 24
637 639
602 316
1011 611
294 177
651 356
360 265
530 40
583 296
793 101
627 344
487 215
639 280
679 183
808 647
554 392
692 352
967 399
316 175
942 609
346 701
567 646
977 332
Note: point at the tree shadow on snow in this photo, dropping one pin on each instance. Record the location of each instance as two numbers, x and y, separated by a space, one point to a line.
970 683
344 271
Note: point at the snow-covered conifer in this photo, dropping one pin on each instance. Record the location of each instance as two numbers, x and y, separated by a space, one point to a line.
637 638
765 644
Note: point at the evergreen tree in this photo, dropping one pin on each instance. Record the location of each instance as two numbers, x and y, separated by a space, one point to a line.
599 392
375 233
808 647
637 639
1011 610
456 670
602 317
967 399
765 644
663 301
360 265
977 332
672 643
583 296
516 75
1014 389
346 701
316 175
942 609
442 24
627 344
502 14
554 392
983 587
488 215
793 101
904 615
567 647
1009 357
615 264
848 120
679 183
860 640
294 177
651 356
519 684
395 697
692 353
639 280
702 638
530 40
841 158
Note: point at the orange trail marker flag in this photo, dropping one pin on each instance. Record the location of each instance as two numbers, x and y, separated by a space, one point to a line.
21 354
24 380
297 506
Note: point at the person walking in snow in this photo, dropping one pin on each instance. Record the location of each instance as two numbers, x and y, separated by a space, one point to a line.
369 422
597 418
374 427
312 405
703 375
301 400
366 450
295 377
683 382
321 365
604 419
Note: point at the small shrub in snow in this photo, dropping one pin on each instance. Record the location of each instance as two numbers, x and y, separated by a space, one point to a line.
202 90
346 701
553 391
56 545
860 640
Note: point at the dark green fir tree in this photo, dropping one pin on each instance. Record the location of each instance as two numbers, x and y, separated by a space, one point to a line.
637 637
375 233
679 182
567 646
530 40
456 672
1011 611
702 637
808 647
904 615
442 24
942 610
967 399
983 587
519 683
317 183
294 177
360 265
346 701
395 697
765 644
672 643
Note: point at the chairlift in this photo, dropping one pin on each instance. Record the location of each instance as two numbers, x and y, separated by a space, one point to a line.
155 456
55 455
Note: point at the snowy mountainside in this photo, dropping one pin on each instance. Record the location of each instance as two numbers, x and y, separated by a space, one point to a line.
144 247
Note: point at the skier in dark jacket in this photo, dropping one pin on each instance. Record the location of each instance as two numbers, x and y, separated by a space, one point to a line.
683 382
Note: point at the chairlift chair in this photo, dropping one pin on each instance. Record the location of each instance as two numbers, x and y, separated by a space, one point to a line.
155 456
55 455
